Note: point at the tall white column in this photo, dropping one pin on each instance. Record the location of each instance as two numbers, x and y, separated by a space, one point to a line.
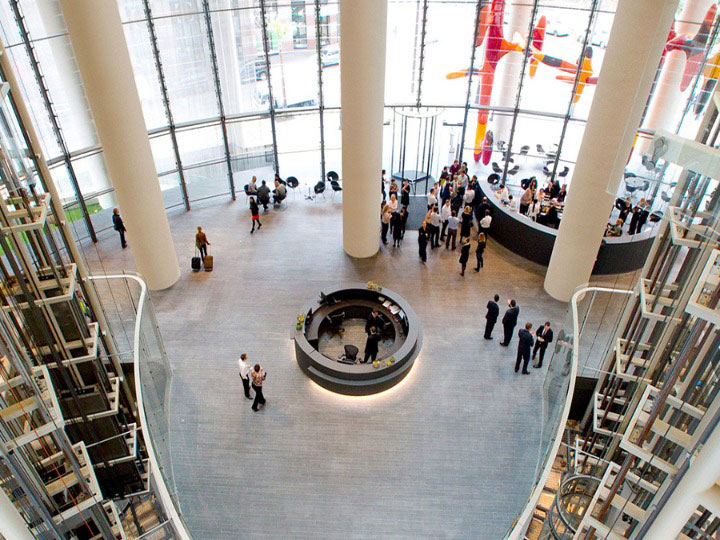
636 42
97 37
699 485
12 525
668 100
362 80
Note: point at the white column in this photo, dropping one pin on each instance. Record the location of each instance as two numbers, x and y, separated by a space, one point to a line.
96 34
668 100
699 485
362 80
12 525
636 42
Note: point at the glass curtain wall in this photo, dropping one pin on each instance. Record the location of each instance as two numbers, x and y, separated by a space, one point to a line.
236 88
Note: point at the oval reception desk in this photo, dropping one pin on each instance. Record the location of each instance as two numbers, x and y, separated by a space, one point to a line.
535 242
324 321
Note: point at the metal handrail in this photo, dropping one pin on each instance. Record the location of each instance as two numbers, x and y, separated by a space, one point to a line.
162 489
521 522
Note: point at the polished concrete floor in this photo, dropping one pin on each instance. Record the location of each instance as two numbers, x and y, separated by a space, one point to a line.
449 453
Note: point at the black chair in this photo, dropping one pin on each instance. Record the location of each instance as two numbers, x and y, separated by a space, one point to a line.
514 170
564 172
292 183
335 187
333 176
664 196
540 149
500 145
350 355
319 189
645 186
493 179
546 171
496 168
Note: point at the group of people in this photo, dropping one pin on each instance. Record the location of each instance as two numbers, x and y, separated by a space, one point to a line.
260 196
252 377
529 342
638 214
542 205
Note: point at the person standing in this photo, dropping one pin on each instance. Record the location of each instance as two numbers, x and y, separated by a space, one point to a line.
510 321
386 216
431 199
201 242
258 377
398 226
405 194
119 226
435 221
255 213
464 254
373 321
382 185
491 317
445 213
485 223
403 222
479 251
453 223
422 241
544 337
467 223
524 347
245 369
372 345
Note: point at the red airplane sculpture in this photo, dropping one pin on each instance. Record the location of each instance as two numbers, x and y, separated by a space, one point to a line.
694 48
491 23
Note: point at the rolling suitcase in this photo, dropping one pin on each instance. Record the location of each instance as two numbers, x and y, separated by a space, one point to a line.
208 263
195 263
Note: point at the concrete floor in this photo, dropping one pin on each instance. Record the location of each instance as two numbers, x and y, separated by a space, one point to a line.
449 453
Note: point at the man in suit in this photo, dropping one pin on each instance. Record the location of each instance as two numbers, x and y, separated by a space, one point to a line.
374 320
544 336
524 348
372 345
491 317
510 321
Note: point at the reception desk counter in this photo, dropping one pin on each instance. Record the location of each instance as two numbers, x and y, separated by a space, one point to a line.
535 242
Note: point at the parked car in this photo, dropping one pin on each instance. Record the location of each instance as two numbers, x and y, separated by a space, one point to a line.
254 70
330 56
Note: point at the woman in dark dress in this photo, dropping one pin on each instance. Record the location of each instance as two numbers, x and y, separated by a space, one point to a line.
479 251
405 194
466 223
464 254
399 228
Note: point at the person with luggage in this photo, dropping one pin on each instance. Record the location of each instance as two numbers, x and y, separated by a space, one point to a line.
119 226
255 213
201 242
245 369
372 345
258 376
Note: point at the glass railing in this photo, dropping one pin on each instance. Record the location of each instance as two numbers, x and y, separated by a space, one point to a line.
585 319
131 321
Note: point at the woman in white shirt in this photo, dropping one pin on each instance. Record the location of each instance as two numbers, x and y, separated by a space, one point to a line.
393 204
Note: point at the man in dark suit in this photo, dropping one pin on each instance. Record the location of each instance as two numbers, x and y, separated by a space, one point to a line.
491 317
371 345
373 320
544 336
119 226
510 321
524 348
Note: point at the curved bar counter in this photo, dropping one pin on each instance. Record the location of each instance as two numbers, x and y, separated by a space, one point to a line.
356 302
535 242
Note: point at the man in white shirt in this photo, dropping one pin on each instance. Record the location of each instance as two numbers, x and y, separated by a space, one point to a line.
511 204
485 224
502 193
245 369
445 214
469 196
